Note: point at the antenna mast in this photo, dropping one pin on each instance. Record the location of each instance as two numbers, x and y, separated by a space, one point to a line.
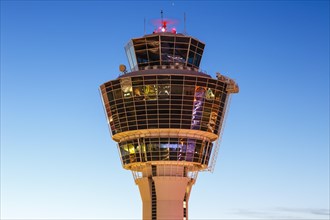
144 26
184 23
161 15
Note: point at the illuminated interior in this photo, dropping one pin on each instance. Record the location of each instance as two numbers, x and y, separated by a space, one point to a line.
165 101
165 149
164 49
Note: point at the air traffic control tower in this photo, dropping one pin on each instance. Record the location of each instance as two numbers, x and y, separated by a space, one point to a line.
166 116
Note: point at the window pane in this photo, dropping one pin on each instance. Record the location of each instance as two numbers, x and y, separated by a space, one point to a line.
167 38
183 39
142 56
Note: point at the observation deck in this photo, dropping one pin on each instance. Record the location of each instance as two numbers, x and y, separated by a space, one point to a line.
166 114
164 48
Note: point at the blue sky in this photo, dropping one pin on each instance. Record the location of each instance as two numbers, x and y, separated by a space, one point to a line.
58 160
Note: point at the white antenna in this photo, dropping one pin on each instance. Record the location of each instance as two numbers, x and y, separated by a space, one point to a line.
161 15
184 22
144 26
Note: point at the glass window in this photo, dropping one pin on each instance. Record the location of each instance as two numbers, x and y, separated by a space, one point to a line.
192 48
187 112
150 106
164 121
150 112
175 111
152 39
153 54
126 87
182 39
199 51
194 42
176 89
211 85
110 96
175 121
152 121
180 55
167 38
189 90
209 94
200 83
163 81
185 102
138 91
131 50
181 46
191 57
176 102
119 103
140 47
175 78
177 81
118 94
150 92
197 59
167 55
164 111
142 56
181 52
163 103
139 41
137 80
167 45
116 84
129 57
164 90
201 45
152 77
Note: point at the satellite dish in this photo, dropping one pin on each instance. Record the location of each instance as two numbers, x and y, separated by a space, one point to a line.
122 68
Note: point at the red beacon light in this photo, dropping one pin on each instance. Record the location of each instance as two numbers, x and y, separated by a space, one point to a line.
163 29
173 31
163 26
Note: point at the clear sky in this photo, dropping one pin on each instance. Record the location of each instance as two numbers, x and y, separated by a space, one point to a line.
58 160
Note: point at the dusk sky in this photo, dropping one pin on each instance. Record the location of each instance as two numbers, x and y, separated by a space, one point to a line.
57 157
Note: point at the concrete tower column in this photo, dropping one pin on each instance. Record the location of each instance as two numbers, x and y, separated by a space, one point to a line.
165 194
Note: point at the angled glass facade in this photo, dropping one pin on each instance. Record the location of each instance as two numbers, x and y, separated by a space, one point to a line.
161 100
164 49
165 149
164 101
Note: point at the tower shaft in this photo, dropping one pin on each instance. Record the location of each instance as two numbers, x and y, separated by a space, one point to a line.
165 193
